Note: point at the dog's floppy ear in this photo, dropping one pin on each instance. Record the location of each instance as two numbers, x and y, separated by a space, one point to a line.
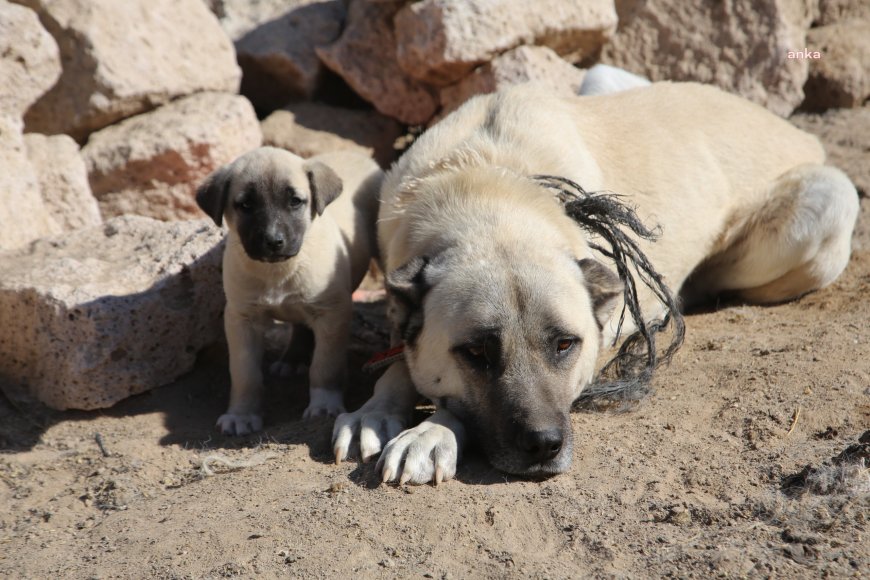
211 196
325 185
604 286
407 285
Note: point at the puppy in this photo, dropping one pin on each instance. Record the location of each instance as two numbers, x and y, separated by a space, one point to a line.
301 235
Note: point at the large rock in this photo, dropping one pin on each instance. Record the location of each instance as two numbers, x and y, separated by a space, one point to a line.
441 41
365 57
29 59
520 65
841 77
152 164
63 180
124 58
275 42
739 45
308 129
23 215
106 312
831 11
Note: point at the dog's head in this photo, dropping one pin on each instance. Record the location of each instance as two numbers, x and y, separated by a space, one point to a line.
506 344
269 197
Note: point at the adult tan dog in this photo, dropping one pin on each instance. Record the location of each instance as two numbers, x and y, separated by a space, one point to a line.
500 300
301 235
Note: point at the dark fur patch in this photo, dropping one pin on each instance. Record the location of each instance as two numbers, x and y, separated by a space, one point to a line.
627 375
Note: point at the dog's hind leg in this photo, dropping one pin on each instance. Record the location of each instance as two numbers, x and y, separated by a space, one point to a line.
797 241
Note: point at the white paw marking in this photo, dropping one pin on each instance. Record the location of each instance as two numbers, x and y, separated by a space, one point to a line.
428 452
239 424
370 426
324 403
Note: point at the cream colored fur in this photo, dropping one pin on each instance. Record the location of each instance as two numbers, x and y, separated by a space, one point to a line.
741 197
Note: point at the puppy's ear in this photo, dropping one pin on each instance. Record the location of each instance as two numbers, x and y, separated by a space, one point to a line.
325 185
211 196
604 286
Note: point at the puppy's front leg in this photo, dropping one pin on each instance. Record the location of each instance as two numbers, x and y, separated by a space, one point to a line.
245 341
428 452
329 363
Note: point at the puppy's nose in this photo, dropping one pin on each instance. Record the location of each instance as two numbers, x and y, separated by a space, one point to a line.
542 445
275 241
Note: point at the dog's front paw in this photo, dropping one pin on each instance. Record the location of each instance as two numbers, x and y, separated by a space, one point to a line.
370 427
239 424
428 452
324 403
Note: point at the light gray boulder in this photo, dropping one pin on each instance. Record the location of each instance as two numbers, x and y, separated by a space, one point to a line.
741 46
92 317
309 129
365 57
441 41
121 58
151 164
275 42
29 59
63 180
24 216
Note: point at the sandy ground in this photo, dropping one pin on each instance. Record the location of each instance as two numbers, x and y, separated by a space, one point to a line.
705 478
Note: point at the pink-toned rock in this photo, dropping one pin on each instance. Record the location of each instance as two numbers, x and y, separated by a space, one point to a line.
94 316
441 41
308 129
275 42
520 65
152 164
29 59
124 58
63 180
365 57
841 76
741 45
23 214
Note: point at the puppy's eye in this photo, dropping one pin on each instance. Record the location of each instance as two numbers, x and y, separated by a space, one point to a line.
245 205
564 344
296 202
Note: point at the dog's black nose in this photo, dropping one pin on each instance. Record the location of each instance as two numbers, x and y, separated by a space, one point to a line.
275 241
542 445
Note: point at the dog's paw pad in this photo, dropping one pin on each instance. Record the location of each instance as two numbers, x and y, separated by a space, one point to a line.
239 424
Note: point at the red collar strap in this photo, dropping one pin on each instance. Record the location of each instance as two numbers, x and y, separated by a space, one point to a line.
384 359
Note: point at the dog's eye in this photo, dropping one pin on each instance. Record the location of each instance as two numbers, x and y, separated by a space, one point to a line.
565 344
296 202
475 350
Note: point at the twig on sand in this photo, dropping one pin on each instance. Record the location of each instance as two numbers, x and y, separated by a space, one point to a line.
794 421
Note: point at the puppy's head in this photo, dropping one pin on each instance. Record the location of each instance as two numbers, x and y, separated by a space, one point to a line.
269 197
506 345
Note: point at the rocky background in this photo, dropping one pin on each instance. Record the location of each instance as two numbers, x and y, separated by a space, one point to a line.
749 459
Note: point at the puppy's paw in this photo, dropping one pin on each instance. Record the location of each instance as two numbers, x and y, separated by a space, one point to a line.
286 370
239 424
370 427
428 452
324 403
